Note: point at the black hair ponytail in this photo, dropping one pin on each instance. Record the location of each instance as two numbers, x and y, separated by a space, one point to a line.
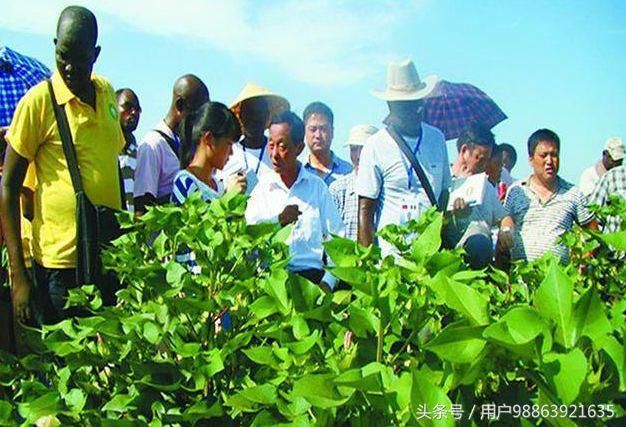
210 116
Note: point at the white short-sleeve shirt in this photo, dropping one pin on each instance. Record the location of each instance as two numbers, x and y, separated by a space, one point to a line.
384 173
318 219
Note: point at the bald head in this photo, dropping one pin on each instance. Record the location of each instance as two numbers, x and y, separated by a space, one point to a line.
78 24
189 94
76 50
191 89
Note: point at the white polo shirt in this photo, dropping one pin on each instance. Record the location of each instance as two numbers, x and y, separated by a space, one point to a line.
384 174
319 217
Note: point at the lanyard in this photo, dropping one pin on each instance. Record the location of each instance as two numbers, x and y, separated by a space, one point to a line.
409 168
245 159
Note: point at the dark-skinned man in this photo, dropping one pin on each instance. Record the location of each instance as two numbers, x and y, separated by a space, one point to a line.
292 195
157 155
389 190
33 136
130 111
254 107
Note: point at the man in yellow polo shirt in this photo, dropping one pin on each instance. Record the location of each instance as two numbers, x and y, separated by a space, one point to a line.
33 136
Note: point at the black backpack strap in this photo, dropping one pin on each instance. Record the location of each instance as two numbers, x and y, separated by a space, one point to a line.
66 139
170 141
415 164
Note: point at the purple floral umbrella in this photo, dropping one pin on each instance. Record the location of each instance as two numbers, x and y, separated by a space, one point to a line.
452 107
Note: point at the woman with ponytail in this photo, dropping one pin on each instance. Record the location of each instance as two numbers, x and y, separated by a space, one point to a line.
207 136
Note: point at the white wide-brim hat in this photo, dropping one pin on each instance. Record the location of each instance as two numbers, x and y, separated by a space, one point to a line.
404 84
276 103
359 134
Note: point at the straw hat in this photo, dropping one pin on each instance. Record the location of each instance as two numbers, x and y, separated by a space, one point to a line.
277 104
404 84
615 147
359 134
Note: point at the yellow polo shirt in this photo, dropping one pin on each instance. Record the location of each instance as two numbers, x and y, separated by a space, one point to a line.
98 139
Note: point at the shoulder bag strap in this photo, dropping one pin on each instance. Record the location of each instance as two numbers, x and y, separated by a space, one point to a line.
170 141
66 139
415 164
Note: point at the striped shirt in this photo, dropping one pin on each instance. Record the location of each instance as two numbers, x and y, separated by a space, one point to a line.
538 226
612 183
346 200
185 184
128 164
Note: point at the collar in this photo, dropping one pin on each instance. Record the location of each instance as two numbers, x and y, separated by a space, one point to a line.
333 162
559 187
302 176
163 127
62 92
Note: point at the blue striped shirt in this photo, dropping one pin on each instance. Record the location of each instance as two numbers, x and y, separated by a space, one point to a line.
539 225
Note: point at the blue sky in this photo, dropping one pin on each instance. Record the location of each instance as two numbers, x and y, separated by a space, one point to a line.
559 64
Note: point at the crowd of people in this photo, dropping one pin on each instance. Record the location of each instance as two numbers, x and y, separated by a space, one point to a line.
286 165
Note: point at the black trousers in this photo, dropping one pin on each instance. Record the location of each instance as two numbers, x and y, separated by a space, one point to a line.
52 287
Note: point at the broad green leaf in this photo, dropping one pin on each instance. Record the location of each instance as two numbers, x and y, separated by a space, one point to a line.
318 390
300 327
519 325
216 363
151 332
305 344
263 307
297 407
48 404
617 354
429 242
76 400
616 240
261 355
462 298
175 273
553 299
190 349
589 318
351 275
119 403
362 321
363 379
457 343
566 372
425 394
202 410
342 252
468 276
275 286
6 410
264 394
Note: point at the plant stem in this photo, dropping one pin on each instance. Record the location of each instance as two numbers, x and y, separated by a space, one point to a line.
379 349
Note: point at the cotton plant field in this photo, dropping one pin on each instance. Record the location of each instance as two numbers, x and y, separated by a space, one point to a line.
420 340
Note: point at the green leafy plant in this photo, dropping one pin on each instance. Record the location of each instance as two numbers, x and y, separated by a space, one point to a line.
419 339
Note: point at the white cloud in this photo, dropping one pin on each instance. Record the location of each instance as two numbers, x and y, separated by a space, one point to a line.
320 42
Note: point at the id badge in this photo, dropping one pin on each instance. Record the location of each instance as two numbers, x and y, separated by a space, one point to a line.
410 208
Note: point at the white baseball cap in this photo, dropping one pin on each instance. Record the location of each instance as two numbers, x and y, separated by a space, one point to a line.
615 147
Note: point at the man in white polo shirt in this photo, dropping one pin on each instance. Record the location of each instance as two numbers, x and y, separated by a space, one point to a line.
291 194
389 190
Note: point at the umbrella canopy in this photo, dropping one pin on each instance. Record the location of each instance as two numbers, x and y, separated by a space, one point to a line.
453 107
18 73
